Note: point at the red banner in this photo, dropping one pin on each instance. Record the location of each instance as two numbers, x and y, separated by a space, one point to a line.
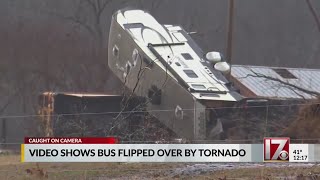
70 140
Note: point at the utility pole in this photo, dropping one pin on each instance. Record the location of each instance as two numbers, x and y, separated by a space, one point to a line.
230 31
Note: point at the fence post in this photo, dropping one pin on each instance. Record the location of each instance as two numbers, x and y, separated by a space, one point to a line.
266 122
4 132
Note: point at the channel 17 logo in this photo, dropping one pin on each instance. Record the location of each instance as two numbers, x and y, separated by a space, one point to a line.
276 149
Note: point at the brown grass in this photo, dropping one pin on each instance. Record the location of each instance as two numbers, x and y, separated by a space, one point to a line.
11 168
307 124
265 173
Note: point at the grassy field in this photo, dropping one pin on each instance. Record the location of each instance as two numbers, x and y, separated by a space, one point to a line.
11 168
299 173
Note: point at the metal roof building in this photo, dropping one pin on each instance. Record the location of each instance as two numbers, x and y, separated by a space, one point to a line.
271 82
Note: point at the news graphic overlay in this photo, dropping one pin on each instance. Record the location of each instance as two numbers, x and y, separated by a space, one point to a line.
303 153
42 147
276 149
107 150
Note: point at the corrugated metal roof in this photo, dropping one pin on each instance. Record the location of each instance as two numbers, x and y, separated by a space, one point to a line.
250 77
80 94
88 95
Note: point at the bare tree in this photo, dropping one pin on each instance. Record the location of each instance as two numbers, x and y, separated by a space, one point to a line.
89 16
284 119
291 86
314 14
